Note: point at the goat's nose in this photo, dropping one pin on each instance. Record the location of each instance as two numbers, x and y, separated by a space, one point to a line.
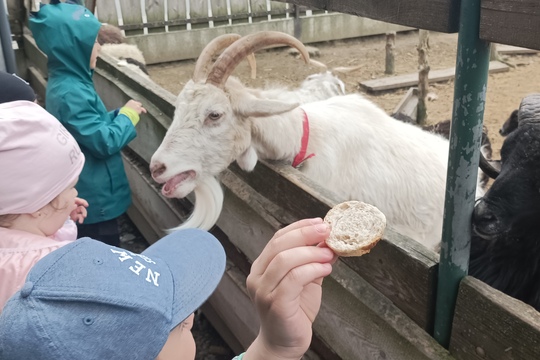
501 131
157 169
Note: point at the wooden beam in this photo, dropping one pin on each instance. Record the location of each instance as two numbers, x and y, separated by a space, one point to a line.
491 325
436 15
513 22
408 80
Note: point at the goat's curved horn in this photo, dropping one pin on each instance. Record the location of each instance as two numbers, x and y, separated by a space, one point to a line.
487 168
231 57
529 109
212 48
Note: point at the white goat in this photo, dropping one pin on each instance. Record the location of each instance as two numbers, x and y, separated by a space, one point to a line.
360 152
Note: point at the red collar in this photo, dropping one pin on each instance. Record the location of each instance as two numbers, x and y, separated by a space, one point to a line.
301 156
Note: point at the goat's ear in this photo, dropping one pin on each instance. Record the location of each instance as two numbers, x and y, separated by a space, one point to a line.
248 159
264 107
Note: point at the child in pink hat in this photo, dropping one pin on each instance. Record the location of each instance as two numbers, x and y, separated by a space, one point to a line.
40 163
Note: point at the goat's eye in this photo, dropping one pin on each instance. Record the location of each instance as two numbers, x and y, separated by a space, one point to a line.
214 116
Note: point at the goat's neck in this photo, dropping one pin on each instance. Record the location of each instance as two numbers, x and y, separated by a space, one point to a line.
278 137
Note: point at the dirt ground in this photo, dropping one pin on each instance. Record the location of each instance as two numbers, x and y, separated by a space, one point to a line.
505 90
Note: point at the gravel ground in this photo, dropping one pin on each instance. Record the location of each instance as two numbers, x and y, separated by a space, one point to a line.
210 346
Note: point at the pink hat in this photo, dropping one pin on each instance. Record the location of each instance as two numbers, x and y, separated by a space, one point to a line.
39 158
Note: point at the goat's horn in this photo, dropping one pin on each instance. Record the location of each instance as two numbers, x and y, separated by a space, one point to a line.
487 168
210 50
231 57
529 109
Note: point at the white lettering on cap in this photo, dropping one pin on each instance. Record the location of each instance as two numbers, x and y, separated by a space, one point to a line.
151 275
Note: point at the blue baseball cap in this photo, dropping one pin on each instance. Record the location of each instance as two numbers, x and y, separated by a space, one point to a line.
89 300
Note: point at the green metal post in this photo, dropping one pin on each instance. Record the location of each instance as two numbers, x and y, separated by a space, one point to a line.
472 65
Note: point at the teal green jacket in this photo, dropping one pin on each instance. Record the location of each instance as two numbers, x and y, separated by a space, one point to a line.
66 34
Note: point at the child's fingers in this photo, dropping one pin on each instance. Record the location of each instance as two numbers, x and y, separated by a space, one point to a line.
81 202
285 263
296 225
303 233
292 285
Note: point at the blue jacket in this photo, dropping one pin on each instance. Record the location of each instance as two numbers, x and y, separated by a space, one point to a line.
66 34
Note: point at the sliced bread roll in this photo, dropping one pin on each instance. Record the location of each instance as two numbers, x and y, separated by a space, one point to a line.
356 228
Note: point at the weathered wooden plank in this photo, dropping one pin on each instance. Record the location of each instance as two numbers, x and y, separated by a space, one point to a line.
513 22
37 82
155 11
491 325
198 9
37 58
436 15
231 312
408 104
401 81
131 12
106 12
279 10
219 9
240 7
177 11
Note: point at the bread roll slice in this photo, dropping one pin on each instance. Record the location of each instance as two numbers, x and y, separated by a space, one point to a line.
356 227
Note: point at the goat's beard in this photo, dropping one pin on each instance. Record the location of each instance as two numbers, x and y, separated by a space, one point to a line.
207 207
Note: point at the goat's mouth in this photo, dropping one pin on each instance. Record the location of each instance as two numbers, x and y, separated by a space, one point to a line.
173 184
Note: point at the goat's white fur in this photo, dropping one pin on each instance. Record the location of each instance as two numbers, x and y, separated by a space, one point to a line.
360 152
124 51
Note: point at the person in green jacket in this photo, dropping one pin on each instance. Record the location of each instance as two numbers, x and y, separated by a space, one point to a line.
67 34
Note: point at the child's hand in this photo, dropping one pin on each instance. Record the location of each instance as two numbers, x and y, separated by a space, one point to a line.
79 214
285 285
135 105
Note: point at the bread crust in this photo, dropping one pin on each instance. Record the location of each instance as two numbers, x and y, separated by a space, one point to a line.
356 228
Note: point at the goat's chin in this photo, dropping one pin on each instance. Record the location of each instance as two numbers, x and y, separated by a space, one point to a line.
208 205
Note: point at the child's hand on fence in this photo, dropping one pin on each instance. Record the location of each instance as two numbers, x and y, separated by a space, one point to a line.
79 213
285 285
135 105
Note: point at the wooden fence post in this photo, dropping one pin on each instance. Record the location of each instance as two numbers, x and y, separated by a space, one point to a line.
390 45
423 76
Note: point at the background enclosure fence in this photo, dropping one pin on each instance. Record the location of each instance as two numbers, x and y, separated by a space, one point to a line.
170 30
